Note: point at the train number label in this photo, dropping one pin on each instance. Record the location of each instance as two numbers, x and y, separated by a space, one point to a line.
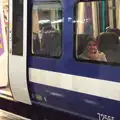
105 117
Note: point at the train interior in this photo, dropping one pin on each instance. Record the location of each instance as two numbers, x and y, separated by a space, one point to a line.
47 23
4 82
98 31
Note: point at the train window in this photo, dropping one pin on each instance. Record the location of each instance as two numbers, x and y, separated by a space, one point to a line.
47 29
97 31
17 46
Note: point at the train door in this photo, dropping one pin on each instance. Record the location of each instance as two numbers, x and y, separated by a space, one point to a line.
4 83
3 50
18 50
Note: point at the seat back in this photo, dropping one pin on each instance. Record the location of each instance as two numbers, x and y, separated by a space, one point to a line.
109 44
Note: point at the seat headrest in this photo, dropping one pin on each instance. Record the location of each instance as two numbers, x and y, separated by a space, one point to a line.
108 41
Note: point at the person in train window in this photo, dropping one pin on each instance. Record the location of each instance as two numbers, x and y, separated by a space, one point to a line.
91 52
50 41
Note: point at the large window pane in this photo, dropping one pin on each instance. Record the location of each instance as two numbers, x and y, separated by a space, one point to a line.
17 46
47 29
98 31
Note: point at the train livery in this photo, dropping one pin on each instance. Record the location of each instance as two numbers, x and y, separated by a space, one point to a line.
64 54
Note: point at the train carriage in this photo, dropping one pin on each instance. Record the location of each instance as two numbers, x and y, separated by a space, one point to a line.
65 55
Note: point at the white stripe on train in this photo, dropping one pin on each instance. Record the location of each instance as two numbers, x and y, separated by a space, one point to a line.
97 87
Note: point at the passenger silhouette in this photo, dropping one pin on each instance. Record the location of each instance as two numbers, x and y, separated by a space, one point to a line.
50 41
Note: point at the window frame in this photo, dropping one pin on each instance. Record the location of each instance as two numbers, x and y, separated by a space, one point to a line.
30 36
75 40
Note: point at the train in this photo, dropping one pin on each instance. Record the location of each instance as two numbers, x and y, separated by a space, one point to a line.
63 55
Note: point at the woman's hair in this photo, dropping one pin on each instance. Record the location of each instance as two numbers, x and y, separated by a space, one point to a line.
91 38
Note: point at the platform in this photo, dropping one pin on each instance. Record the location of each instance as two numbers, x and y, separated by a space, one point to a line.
10 116
6 93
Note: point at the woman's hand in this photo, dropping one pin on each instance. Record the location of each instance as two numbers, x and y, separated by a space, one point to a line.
99 56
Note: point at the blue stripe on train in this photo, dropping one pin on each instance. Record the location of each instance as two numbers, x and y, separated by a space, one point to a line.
70 66
75 102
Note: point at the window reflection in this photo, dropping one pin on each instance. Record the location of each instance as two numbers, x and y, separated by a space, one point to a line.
17 46
46 30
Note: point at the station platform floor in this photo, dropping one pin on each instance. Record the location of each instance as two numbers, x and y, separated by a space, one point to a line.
4 115
5 93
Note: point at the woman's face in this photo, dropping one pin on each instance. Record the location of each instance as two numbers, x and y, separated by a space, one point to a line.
92 47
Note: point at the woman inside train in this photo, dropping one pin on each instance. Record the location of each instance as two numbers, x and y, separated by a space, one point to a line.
91 52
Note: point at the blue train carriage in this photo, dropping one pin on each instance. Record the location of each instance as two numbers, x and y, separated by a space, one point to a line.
65 55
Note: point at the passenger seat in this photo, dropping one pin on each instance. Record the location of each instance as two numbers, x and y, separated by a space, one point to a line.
116 31
109 44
